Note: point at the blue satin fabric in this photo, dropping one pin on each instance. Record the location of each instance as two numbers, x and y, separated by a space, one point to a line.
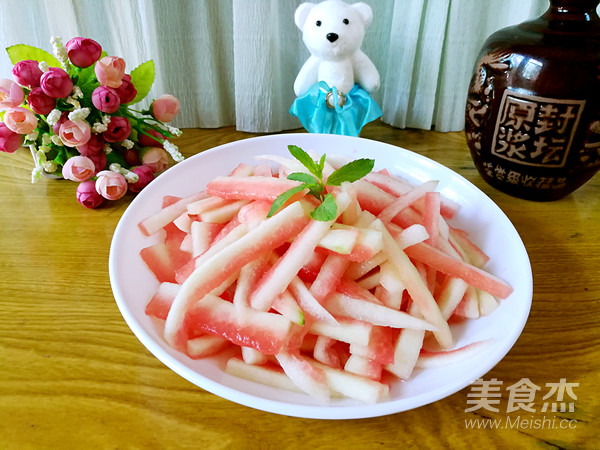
317 117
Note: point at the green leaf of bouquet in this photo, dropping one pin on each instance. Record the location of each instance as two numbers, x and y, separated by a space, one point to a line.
352 171
326 211
116 157
142 78
284 197
87 81
61 156
21 52
304 159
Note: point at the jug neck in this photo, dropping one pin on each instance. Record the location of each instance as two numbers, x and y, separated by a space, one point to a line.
573 8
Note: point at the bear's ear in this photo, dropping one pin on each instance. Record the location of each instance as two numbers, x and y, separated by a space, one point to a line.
365 12
302 13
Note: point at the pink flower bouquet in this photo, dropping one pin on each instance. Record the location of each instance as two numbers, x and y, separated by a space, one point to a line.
74 111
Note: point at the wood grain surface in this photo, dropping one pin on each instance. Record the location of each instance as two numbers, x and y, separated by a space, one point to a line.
73 375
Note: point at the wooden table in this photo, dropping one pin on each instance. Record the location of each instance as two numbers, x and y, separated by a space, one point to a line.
73 375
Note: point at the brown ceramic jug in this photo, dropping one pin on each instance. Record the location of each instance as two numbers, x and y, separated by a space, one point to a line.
533 107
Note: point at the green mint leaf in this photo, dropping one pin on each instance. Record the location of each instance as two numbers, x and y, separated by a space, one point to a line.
284 197
21 52
305 160
352 171
303 177
142 78
321 166
316 189
326 211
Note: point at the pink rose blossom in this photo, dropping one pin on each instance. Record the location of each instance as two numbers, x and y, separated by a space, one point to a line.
83 52
9 140
56 83
147 141
93 146
11 94
78 168
119 129
131 157
165 108
27 73
39 102
156 158
88 196
56 127
106 99
75 132
111 185
99 161
20 120
110 70
145 176
127 90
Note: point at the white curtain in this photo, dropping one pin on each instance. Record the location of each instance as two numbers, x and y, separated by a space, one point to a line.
233 62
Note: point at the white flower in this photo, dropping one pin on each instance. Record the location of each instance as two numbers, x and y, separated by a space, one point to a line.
56 140
41 156
46 139
131 177
101 127
174 131
173 151
127 144
44 148
43 66
50 166
77 92
36 173
79 114
53 117
73 101
56 41
98 128
107 149
33 136
60 52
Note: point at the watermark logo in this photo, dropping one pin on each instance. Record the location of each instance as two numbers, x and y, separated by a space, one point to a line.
521 423
521 396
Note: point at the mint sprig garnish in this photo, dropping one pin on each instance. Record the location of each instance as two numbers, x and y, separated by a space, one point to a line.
313 181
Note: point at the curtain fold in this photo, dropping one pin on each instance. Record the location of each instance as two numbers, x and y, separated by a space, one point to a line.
411 77
469 23
265 62
234 62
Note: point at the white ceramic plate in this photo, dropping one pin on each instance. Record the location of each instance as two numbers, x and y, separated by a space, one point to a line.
133 284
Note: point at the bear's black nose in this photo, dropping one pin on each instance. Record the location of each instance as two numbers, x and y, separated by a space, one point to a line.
332 37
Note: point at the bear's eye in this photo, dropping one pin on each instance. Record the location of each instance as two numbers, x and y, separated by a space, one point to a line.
318 23
346 21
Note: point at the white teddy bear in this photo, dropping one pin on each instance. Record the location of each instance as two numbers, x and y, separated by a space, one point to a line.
333 32
334 85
